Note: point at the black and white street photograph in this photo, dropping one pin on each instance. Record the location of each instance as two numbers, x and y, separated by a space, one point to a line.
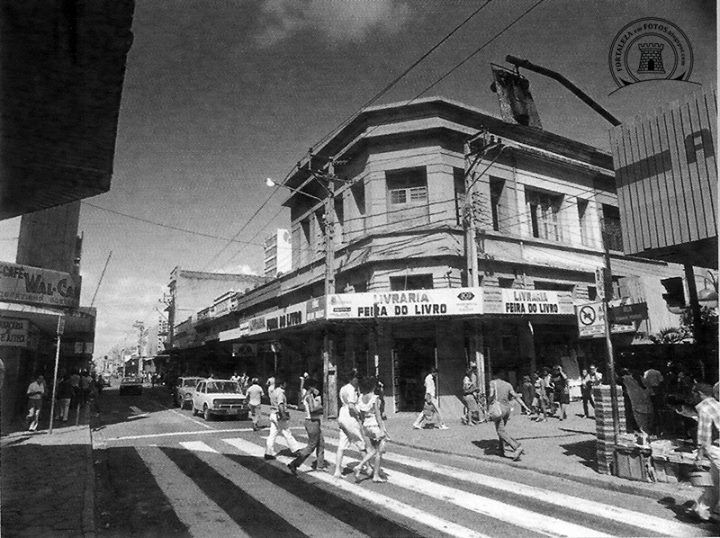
359 268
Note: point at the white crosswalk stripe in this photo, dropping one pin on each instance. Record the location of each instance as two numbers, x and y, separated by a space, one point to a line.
613 513
192 507
310 520
501 511
378 499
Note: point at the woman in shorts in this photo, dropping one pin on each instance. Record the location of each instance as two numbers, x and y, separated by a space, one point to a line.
373 428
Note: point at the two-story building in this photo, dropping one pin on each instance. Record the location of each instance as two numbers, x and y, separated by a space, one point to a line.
403 301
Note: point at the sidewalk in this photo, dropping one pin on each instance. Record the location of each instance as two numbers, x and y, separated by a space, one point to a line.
560 448
48 482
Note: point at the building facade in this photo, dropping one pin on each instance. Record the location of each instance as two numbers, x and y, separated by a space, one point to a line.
278 253
406 196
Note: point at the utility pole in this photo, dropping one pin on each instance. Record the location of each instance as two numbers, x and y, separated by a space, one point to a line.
329 366
60 330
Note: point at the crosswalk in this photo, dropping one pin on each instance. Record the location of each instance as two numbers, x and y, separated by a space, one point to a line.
420 498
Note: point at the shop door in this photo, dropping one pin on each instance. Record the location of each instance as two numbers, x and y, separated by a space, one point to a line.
413 358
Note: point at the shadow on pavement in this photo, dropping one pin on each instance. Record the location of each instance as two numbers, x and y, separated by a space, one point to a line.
585 451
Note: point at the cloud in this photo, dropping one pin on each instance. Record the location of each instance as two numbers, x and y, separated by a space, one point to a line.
236 269
338 21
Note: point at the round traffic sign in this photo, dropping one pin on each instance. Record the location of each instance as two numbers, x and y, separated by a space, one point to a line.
587 315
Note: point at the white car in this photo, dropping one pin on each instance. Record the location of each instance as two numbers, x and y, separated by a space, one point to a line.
219 397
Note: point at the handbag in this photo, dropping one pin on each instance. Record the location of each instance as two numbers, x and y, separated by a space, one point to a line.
495 411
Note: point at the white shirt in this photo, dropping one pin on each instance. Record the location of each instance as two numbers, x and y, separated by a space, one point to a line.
34 389
430 385
348 394
254 393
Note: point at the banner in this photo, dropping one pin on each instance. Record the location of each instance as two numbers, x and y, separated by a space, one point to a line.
14 332
32 285
413 303
281 318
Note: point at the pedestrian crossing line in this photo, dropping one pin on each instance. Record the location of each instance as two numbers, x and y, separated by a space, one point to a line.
383 501
192 507
203 424
176 434
605 511
520 517
302 515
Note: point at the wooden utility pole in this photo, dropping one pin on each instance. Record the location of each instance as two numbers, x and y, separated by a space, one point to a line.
60 330
604 290
329 366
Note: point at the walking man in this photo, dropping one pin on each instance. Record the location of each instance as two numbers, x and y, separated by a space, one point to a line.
35 392
502 392
254 396
348 421
279 417
708 504
312 403
431 391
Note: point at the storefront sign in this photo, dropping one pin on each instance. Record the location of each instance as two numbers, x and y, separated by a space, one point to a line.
14 332
32 285
282 318
591 321
530 302
413 303
315 308
629 313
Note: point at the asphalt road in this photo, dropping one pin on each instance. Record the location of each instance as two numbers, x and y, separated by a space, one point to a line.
162 472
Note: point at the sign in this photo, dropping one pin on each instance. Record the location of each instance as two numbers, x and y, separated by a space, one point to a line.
602 283
32 285
530 302
281 318
410 303
629 313
14 332
591 321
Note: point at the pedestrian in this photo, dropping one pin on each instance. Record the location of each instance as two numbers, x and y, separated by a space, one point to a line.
431 390
279 418
85 386
502 392
348 421
590 378
653 380
244 382
380 391
527 390
254 395
35 393
541 396
469 389
561 390
707 507
549 390
312 403
64 396
75 383
270 384
373 428
302 390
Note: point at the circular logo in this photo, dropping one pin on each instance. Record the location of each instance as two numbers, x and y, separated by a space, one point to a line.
587 315
650 49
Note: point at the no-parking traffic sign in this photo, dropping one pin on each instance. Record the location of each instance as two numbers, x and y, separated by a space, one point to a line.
591 321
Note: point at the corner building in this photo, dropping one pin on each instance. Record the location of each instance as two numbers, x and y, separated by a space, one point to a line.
402 300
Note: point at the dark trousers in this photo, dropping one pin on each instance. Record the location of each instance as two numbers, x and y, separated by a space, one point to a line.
587 399
503 435
315 442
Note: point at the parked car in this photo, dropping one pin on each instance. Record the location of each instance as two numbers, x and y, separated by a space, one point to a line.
184 389
219 397
131 384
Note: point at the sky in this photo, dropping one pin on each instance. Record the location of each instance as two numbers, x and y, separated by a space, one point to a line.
221 94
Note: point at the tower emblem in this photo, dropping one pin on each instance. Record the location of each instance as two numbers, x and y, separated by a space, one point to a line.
650 49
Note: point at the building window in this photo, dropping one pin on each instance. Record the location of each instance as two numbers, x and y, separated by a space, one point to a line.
506 282
407 196
613 230
592 293
553 286
459 185
496 191
544 211
583 219
411 282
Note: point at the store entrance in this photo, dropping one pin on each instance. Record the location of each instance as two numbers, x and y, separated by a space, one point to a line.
413 358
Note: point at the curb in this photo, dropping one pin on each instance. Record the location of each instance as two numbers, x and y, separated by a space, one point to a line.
632 489
88 517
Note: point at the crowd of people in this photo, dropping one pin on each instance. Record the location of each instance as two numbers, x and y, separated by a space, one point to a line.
73 390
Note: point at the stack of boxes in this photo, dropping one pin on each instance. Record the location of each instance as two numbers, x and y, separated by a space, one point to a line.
604 426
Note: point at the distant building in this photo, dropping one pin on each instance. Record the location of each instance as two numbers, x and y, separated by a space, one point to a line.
278 253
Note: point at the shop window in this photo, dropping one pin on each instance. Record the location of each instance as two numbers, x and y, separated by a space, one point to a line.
544 211
582 206
506 282
411 282
613 229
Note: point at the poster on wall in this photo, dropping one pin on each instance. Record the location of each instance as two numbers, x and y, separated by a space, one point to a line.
14 332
